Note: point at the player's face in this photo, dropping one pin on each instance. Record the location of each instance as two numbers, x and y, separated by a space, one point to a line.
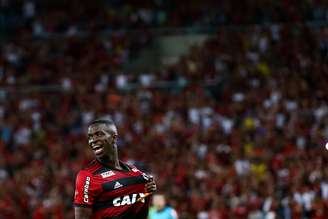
101 138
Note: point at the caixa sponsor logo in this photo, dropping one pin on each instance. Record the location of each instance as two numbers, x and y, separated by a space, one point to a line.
86 189
128 199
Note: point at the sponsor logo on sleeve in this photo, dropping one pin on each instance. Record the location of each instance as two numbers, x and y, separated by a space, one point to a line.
86 190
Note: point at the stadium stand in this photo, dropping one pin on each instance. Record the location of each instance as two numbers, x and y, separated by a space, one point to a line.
74 15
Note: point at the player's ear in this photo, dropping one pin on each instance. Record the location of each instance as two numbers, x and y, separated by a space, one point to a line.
114 137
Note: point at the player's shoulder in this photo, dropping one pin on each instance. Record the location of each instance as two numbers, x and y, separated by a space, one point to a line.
131 167
90 167
127 164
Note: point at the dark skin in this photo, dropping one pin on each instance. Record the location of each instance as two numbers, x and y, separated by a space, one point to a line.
102 140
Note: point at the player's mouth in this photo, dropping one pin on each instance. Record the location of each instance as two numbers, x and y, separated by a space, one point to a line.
98 149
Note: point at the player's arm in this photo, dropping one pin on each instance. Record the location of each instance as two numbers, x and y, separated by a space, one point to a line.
82 213
84 195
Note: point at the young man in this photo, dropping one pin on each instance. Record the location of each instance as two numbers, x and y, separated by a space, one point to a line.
108 188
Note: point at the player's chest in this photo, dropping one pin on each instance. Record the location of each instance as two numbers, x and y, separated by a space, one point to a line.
111 183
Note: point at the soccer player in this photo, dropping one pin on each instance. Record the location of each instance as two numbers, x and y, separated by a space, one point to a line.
109 188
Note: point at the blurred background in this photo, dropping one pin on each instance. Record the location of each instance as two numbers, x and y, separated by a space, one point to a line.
223 101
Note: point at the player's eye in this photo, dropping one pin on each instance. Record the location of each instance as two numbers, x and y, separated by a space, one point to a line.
99 134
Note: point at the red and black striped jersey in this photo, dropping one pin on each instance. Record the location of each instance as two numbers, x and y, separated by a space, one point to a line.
112 193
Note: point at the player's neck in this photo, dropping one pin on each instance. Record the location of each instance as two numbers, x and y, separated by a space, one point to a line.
111 161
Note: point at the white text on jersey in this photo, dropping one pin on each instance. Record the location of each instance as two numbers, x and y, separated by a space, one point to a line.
107 174
128 199
86 189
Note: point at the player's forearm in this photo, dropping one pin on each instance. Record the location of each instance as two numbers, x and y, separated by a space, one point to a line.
82 213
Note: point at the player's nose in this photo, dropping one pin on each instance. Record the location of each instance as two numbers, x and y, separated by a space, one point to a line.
95 142
92 141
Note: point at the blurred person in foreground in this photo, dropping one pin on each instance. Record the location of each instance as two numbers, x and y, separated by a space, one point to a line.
160 210
108 187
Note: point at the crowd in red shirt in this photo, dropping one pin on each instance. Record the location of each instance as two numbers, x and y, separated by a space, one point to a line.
239 132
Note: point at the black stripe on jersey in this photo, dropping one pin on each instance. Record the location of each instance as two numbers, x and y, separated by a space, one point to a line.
101 205
128 181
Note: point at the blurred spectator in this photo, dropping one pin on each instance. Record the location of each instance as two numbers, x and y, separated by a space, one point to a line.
160 210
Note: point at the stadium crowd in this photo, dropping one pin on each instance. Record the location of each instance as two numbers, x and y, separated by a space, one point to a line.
241 135
83 16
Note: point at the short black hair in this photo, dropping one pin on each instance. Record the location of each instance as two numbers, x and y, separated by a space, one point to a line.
107 121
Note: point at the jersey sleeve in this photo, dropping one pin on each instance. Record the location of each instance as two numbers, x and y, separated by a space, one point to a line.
84 189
